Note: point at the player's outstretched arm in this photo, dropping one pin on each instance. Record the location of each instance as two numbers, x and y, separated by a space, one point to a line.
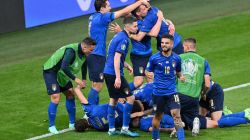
130 8
79 94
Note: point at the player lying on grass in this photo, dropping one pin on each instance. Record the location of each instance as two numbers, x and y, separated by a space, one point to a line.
97 114
59 71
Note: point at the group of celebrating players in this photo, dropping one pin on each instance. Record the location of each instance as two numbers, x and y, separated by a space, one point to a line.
179 93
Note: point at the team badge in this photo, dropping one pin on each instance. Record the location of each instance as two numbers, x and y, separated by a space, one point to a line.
126 90
174 64
167 62
101 76
53 87
141 70
123 47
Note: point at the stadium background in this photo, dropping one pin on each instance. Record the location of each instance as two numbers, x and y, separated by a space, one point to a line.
221 27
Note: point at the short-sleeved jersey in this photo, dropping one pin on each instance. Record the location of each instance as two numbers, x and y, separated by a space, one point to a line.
150 20
119 44
98 115
98 26
144 94
146 122
164 69
142 47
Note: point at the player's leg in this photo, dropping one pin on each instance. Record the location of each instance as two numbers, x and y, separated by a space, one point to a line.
139 65
159 106
53 90
174 105
113 98
124 92
216 102
70 103
96 65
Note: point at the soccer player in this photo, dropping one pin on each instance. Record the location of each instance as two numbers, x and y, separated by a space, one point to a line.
97 114
114 76
58 72
166 65
141 51
149 16
212 102
196 71
98 25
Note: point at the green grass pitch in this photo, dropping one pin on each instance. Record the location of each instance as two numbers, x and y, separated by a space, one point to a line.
222 29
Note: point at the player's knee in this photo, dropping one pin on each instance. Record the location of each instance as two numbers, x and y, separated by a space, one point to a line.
55 98
179 124
156 122
97 86
131 99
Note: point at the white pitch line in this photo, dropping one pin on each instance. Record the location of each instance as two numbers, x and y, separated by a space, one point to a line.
236 87
68 129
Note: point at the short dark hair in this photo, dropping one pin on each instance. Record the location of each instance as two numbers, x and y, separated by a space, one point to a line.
81 125
136 107
135 11
99 4
168 36
129 19
190 39
89 41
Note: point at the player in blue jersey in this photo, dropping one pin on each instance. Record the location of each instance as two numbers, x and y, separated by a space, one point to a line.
141 51
98 25
97 114
114 76
166 65
149 16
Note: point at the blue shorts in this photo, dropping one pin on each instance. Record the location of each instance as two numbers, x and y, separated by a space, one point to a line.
50 78
214 99
163 103
96 64
139 63
189 109
114 93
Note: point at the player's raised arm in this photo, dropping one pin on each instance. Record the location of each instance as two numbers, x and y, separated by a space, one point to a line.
130 8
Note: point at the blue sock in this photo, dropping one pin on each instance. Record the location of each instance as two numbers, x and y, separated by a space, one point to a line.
180 134
52 113
239 114
132 86
71 108
126 114
111 116
155 134
231 121
93 97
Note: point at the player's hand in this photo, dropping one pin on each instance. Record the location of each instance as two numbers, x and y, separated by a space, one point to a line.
122 100
137 114
84 83
117 83
130 69
114 28
182 78
171 29
146 2
80 82
160 14
150 75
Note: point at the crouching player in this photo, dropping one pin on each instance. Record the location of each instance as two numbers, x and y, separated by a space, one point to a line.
59 71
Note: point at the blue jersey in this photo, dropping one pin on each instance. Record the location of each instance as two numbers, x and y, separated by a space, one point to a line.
98 115
142 47
150 20
144 94
164 69
146 122
98 26
120 44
